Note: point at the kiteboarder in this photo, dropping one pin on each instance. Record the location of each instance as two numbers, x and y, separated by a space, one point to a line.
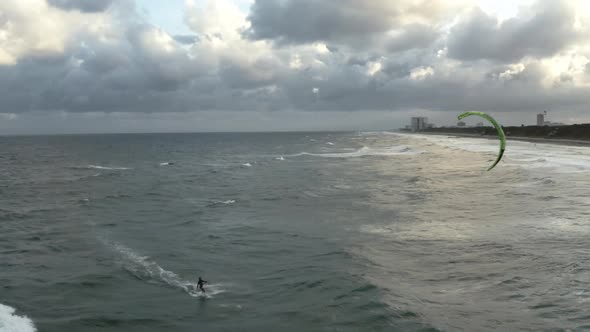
200 284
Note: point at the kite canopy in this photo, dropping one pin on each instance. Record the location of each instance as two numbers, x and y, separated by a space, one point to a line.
498 128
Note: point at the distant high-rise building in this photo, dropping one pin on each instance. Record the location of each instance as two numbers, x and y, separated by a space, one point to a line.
540 119
419 123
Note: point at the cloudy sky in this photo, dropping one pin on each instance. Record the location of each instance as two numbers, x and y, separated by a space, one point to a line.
69 66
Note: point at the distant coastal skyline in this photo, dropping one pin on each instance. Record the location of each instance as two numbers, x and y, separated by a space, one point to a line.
81 66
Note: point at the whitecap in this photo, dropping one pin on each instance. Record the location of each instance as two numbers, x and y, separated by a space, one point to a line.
167 164
107 167
9 322
281 158
376 133
330 143
557 158
247 165
226 202
364 151
371 229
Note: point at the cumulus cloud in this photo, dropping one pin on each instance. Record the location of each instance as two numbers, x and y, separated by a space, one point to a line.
32 28
106 65
305 55
350 22
543 30
412 36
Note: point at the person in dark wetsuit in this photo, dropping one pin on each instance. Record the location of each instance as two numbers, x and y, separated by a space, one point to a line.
200 284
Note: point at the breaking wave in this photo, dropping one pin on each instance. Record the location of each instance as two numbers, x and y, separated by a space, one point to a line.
530 155
364 151
10 322
108 168
217 203
376 133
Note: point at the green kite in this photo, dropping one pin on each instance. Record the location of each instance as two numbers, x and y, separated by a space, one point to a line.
498 128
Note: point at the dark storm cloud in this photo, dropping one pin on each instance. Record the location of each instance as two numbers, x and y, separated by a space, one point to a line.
303 21
546 30
82 5
361 60
352 22
520 94
262 72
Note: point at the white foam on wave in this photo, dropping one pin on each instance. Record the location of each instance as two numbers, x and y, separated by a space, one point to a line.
281 158
247 165
226 202
375 133
530 155
372 229
166 164
364 151
10 322
107 167
330 143
145 268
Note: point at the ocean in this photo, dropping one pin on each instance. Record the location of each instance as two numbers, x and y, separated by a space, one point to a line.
364 231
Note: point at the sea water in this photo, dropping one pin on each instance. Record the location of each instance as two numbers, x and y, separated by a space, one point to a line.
294 231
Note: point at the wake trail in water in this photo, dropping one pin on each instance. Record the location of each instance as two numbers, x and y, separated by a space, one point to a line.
146 269
9 322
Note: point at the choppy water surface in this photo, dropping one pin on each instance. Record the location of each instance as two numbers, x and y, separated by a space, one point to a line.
295 232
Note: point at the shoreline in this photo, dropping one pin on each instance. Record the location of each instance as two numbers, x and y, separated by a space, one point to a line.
557 141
